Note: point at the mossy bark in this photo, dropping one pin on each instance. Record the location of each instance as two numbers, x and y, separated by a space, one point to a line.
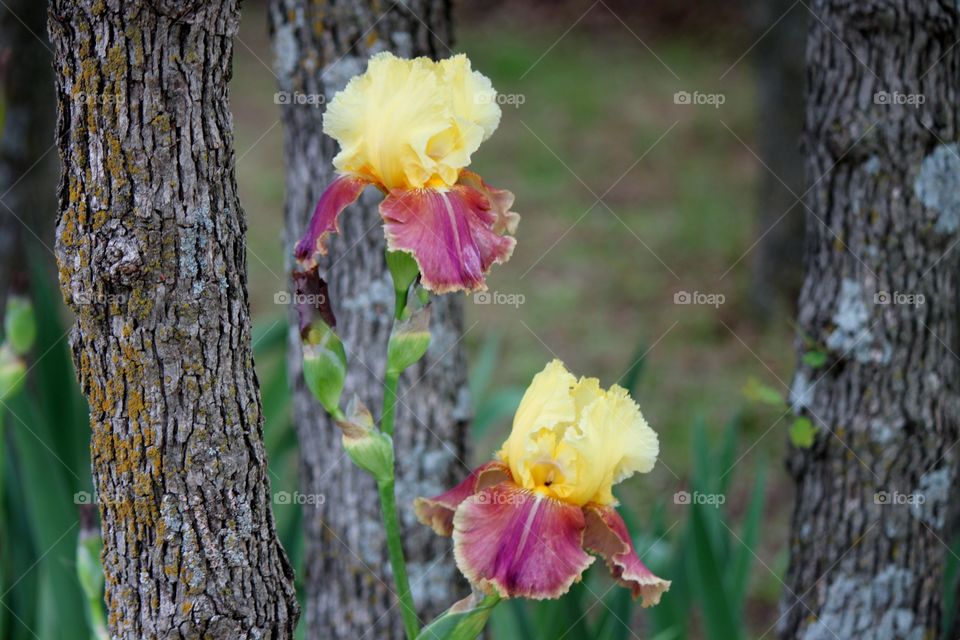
150 246
868 542
319 46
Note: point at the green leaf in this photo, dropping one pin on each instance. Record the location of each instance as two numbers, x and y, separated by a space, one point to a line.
463 621
815 359
802 433
707 575
750 535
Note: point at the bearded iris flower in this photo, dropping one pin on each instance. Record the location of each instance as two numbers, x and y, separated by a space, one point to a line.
525 524
410 127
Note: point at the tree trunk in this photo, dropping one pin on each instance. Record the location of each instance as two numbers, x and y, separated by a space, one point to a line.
27 163
319 46
150 243
880 298
777 264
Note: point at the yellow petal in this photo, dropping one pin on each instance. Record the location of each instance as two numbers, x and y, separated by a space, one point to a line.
546 403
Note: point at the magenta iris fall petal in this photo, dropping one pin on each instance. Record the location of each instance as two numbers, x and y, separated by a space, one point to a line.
450 233
342 192
519 542
437 512
607 535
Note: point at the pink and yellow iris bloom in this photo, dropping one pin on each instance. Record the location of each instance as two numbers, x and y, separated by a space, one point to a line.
525 525
410 127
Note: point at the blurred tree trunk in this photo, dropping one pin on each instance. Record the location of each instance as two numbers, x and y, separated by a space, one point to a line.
777 264
150 243
319 46
869 525
27 161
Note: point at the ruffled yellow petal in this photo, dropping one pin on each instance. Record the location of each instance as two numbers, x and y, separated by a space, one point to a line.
613 442
474 98
407 124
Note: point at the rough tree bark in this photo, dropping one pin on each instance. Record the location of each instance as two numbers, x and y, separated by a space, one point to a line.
319 45
868 538
27 164
781 26
150 245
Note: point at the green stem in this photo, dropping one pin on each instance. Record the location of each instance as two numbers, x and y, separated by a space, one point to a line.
389 402
388 506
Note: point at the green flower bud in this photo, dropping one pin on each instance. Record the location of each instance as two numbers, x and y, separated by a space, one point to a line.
409 341
324 366
368 447
324 358
404 270
20 326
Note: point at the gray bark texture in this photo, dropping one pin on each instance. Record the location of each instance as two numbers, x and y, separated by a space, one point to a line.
27 161
868 542
319 46
781 26
150 246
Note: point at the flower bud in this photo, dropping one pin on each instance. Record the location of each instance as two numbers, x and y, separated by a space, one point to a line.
368 447
404 270
409 341
324 358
